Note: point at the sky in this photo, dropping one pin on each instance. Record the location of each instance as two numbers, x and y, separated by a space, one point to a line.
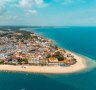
48 12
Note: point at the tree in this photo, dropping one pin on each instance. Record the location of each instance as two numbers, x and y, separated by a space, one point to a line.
48 56
2 62
25 61
58 55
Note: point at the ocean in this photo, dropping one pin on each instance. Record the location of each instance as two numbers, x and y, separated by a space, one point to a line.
81 40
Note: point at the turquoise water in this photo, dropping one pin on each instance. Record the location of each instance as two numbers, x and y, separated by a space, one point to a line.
78 39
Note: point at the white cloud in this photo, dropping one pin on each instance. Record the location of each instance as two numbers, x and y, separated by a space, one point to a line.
26 3
41 3
28 6
12 17
31 12
8 17
3 4
1 7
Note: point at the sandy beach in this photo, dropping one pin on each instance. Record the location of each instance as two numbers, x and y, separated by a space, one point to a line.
79 66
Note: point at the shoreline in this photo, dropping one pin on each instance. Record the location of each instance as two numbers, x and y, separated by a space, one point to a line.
80 65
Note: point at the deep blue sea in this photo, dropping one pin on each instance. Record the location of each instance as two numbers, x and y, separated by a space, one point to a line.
81 40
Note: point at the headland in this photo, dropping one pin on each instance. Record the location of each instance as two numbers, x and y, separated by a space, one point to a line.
24 51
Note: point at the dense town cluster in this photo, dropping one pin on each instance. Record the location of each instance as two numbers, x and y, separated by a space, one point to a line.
22 47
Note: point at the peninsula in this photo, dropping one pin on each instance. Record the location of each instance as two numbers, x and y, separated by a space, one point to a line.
24 51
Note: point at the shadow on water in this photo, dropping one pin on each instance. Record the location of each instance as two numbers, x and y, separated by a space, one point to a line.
22 81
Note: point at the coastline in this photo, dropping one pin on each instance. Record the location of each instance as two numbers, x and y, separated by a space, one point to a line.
77 67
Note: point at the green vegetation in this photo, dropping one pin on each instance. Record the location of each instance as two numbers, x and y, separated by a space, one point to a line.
23 61
59 56
25 34
1 62
48 56
11 63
